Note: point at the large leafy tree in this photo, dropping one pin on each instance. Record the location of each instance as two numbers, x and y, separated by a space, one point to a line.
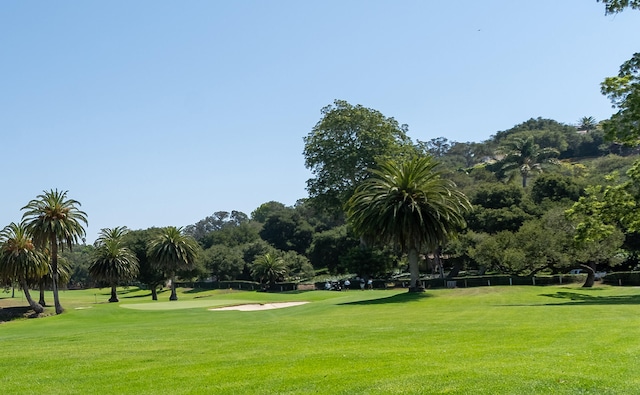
56 222
20 260
113 262
409 204
172 251
286 230
343 145
523 156
624 92
615 6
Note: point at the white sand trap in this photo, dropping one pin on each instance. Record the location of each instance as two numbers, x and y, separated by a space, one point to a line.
259 306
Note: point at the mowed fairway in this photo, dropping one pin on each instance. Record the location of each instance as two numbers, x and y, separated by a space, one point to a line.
490 340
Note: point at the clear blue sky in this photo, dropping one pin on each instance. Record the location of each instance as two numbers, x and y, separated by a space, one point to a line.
156 113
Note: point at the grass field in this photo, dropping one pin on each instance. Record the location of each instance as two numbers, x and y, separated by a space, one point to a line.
490 340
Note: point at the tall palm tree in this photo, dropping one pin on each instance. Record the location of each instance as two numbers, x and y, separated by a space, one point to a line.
55 222
112 260
524 156
269 268
20 260
172 251
408 204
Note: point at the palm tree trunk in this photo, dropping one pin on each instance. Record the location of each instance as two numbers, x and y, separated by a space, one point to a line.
591 274
32 303
415 285
114 295
41 302
54 275
173 296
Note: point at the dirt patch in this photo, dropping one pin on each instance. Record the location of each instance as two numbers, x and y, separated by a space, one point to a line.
259 306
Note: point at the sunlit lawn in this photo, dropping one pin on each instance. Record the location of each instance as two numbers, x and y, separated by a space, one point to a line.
490 340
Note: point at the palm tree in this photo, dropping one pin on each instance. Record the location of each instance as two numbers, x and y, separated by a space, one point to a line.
55 222
113 261
20 260
171 251
410 205
270 268
524 156
587 123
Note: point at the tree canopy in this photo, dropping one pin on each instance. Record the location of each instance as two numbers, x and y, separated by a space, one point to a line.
344 145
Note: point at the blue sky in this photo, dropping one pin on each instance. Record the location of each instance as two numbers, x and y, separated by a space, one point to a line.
156 113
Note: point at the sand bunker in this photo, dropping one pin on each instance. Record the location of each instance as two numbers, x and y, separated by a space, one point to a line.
259 306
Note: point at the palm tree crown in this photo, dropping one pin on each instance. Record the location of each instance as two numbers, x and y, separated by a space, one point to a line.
408 204
113 261
56 222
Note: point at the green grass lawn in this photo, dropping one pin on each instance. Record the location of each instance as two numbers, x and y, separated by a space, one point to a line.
489 340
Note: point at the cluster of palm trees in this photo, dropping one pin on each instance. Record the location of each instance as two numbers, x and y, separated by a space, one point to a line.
29 250
52 222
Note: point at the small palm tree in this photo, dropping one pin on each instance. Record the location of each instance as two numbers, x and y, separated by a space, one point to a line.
587 123
113 262
172 251
20 260
55 222
408 204
524 156
269 268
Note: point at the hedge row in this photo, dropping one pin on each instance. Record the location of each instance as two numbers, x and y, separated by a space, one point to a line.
622 278
618 278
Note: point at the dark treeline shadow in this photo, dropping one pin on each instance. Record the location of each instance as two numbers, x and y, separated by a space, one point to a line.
398 298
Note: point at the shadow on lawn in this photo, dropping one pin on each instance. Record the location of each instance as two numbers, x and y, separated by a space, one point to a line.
12 313
574 298
160 292
398 298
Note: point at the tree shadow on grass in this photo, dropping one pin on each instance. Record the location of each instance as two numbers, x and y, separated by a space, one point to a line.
12 313
398 298
576 298
160 292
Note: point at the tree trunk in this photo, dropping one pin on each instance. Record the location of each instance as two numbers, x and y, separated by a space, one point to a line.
436 256
173 296
154 292
35 306
114 295
54 275
457 266
591 274
415 272
41 302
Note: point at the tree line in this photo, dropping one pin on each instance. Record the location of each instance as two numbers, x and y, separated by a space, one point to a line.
541 197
